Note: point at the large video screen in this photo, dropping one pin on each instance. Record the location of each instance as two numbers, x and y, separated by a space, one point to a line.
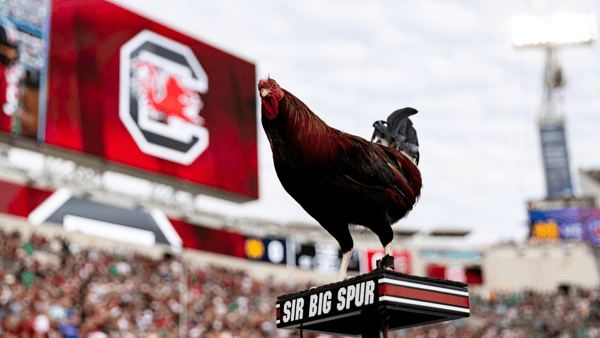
566 223
134 92
119 87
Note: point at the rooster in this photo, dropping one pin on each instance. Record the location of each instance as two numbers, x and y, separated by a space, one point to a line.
338 178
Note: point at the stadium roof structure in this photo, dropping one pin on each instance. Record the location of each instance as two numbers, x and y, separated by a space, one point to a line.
595 174
587 200
449 232
589 181
107 221
405 232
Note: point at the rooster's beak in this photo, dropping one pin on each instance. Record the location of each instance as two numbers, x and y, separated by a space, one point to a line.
264 92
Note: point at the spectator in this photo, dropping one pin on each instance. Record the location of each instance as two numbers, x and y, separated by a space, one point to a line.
28 114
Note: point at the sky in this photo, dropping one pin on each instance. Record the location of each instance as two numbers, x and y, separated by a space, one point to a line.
354 62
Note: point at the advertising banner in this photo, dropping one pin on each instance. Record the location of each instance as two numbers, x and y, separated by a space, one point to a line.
566 223
124 88
459 273
455 273
207 239
324 258
459 255
20 200
402 260
272 250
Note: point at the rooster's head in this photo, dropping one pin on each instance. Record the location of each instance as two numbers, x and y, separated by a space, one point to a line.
270 94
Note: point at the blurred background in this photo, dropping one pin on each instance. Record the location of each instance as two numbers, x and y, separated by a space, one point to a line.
138 196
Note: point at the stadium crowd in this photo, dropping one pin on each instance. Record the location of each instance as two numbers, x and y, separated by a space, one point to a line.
50 287
32 11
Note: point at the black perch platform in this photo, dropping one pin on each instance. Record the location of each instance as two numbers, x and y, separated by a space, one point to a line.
379 301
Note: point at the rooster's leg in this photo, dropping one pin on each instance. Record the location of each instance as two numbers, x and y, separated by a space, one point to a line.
344 266
389 251
340 231
382 227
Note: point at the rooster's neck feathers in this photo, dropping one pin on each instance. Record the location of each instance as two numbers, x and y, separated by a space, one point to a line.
305 131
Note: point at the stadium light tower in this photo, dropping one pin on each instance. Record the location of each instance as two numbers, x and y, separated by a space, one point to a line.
551 34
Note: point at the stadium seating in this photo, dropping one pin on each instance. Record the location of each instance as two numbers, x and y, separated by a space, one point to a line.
51 286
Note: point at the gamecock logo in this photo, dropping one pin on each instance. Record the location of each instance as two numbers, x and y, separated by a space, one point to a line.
160 82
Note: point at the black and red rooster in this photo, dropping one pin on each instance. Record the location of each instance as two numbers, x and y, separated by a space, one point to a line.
338 178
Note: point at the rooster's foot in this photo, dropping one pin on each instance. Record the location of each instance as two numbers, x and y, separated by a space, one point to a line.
387 262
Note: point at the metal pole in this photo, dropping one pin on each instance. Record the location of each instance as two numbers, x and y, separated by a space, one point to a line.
372 323
183 287
552 96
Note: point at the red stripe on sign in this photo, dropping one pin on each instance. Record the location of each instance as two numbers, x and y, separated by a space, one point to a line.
278 313
430 296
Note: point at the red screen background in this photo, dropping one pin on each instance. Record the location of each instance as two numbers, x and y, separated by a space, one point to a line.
83 98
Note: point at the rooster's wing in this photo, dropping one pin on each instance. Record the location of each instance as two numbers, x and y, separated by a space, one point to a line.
366 165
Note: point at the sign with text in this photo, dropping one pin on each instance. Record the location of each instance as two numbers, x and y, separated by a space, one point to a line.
327 303
350 307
